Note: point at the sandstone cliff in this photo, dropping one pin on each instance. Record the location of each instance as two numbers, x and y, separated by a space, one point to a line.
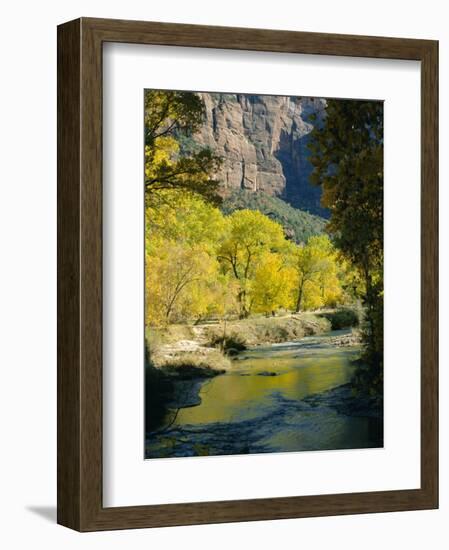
262 140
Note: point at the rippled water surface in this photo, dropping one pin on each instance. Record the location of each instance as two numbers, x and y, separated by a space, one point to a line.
264 405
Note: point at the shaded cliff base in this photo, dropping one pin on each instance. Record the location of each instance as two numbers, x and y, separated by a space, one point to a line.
299 225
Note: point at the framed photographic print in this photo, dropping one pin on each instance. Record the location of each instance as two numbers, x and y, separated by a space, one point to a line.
247 287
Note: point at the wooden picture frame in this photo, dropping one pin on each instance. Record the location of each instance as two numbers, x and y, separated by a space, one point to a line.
80 503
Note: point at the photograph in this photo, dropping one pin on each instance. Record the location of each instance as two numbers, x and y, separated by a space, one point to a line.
263 273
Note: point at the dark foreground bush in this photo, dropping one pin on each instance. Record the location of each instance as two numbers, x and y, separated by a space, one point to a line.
368 380
343 318
158 392
230 344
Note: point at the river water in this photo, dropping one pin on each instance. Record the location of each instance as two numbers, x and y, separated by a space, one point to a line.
275 399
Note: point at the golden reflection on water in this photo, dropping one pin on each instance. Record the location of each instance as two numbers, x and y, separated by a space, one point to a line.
244 393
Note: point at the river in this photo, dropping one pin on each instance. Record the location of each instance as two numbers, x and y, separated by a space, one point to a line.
276 398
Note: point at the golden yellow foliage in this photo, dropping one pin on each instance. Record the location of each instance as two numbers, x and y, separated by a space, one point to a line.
272 285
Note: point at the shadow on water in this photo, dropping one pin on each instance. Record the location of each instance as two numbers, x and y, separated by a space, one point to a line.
284 397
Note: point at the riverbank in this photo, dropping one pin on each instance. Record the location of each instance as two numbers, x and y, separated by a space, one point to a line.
288 396
204 349
180 358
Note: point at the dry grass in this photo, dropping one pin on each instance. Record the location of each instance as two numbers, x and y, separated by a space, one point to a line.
187 351
188 364
262 330
170 334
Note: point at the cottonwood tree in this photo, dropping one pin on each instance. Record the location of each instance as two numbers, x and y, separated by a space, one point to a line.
250 235
176 278
168 115
315 265
272 285
347 156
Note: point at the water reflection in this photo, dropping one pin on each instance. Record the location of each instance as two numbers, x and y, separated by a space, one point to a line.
260 406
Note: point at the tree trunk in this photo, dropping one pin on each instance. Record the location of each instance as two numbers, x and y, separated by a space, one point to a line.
222 346
298 302
244 313
370 303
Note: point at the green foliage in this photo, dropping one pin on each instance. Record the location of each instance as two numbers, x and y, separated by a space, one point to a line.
187 144
347 155
167 111
298 225
343 318
168 115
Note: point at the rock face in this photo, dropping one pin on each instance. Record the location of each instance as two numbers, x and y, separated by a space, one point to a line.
262 140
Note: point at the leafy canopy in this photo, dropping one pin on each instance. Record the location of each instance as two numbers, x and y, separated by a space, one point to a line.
347 156
168 114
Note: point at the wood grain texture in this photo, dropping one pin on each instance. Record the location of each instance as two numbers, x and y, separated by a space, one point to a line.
144 32
429 271
80 274
69 408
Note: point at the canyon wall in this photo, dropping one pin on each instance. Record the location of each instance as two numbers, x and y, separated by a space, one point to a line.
263 142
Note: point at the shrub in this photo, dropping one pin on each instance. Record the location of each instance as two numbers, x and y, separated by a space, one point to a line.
158 391
343 318
231 344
